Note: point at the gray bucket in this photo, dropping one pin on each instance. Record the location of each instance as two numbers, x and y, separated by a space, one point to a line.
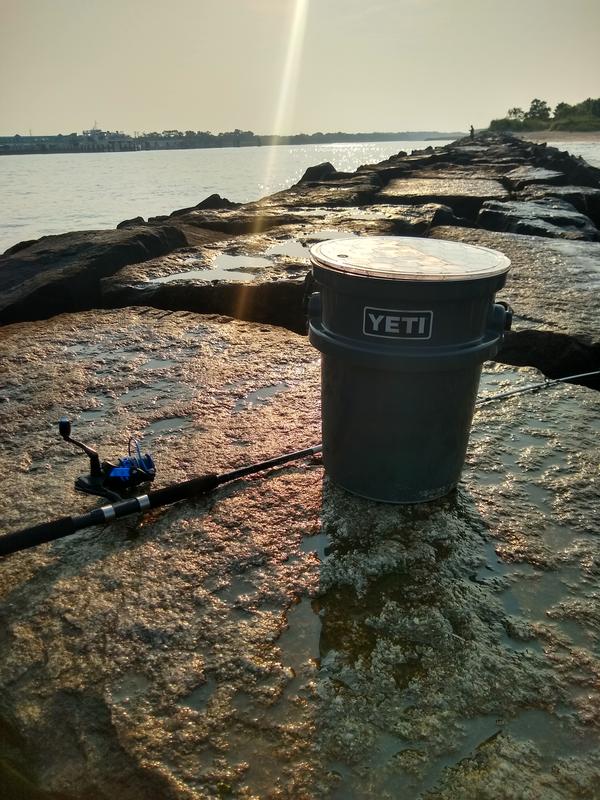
403 326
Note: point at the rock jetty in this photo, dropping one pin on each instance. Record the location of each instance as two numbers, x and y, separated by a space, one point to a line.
250 261
282 639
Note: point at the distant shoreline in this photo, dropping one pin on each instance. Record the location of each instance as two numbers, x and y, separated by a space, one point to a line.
120 143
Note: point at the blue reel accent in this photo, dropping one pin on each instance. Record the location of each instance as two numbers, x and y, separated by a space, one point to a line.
134 469
124 473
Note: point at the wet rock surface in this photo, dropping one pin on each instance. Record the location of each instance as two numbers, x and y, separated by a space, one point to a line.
551 281
338 190
282 638
527 175
62 273
172 378
551 287
583 198
547 216
465 196
253 277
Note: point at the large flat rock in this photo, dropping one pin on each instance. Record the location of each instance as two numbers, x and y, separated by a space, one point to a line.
282 638
403 164
465 196
196 389
246 219
475 170
530 175
62 273
584 198
547 216
356 190
552 284
257 277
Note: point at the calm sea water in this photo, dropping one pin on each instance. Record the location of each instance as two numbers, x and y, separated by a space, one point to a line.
43 194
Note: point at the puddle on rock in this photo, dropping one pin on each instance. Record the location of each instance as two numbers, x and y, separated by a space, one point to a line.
557 537
167 425
478 731
388 779
554 736
319 544
131 685
158 363
289 247
299 643
520 645
386 746
239 587
153 393
260 396
225 268
228 263
259 750
198 698
531 596
299 646
190 275
91 415
90 350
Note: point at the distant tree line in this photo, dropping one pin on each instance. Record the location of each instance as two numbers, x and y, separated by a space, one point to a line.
584 116
239 138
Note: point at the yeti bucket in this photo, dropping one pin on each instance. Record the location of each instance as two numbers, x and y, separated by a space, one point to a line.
403 326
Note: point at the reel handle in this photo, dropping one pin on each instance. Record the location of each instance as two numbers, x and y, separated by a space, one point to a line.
64 428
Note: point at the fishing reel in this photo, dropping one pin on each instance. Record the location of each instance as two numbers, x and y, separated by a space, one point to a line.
113 481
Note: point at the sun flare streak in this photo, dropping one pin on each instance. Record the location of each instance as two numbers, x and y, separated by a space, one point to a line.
289 82
285 105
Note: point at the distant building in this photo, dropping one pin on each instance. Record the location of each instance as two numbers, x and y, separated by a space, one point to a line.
91 141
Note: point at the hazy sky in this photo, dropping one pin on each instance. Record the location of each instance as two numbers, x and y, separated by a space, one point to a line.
289 65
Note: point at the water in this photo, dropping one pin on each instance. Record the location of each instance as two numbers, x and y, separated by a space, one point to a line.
45 194
588 150
225 267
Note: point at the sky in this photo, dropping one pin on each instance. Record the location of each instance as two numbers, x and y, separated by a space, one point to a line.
289 66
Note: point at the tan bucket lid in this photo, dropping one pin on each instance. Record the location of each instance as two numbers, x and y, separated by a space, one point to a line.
408 258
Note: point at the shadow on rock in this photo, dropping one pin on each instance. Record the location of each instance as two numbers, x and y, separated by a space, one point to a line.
416 660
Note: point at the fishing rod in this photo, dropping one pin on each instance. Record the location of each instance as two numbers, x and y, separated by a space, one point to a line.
134 470
535 387
195 487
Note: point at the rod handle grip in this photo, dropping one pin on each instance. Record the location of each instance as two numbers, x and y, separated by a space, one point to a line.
38 534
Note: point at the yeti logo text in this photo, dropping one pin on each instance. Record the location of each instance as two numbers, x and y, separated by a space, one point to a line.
390 323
